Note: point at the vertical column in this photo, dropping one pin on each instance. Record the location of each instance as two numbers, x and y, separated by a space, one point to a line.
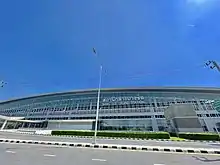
207 120
71 110
29 124
175 100
55 105
15 124
4 124
77 106
154 121
31 107
90 108
22 126
77 112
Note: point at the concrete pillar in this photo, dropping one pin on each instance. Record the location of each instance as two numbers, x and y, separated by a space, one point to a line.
154 120
4 124
29 124
207 120
154 124
22 126
15 124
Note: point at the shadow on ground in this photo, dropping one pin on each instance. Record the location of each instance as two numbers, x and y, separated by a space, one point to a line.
204 159
215 144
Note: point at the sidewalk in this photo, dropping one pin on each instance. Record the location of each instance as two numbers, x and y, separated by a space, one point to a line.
115 146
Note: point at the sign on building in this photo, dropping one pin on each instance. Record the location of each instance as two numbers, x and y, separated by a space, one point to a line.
123 100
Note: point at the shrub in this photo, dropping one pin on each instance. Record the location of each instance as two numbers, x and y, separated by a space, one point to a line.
173 134
73 133
141 135
199 136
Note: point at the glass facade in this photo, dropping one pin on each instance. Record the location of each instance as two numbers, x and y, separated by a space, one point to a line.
139 109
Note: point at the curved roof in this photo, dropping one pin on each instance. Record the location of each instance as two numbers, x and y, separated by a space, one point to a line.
10 118
150 89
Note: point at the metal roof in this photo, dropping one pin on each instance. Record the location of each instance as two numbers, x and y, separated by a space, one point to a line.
210 90
71 121
11 118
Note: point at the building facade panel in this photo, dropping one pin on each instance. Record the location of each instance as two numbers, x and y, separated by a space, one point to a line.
120 109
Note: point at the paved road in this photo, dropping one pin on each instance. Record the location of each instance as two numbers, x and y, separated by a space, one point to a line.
20 154
110 141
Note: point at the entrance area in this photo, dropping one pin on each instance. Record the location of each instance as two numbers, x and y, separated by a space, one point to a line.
20 123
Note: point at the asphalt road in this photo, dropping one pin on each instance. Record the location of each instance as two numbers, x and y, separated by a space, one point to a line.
110 141
21 154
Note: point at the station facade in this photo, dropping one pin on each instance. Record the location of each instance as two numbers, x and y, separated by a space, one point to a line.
130 109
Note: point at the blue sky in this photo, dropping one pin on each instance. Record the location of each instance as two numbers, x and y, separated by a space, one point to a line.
46 45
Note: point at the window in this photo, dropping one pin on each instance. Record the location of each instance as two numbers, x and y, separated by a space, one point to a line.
212 115
124 117
205 128
159 116
199 115
161 128
94 107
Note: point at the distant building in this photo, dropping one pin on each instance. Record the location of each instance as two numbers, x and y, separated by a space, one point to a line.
132 109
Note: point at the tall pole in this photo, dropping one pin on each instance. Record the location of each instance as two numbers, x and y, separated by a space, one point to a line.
98 100
2 84
213 65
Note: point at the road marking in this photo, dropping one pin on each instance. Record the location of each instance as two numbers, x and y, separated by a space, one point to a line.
159 164
101 160
13 152
49 155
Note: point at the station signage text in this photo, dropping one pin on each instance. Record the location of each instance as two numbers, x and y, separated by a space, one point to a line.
123 100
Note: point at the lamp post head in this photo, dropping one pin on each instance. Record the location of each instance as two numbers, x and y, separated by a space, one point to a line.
2 83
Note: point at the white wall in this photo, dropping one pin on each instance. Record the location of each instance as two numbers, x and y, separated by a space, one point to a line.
197 130
69 126
211 123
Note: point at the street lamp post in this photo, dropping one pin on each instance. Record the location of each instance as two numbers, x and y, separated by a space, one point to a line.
2 84
98 100
213 65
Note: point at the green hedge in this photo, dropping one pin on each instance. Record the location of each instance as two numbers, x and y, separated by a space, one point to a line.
73 133
173 134
141 135
199 136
